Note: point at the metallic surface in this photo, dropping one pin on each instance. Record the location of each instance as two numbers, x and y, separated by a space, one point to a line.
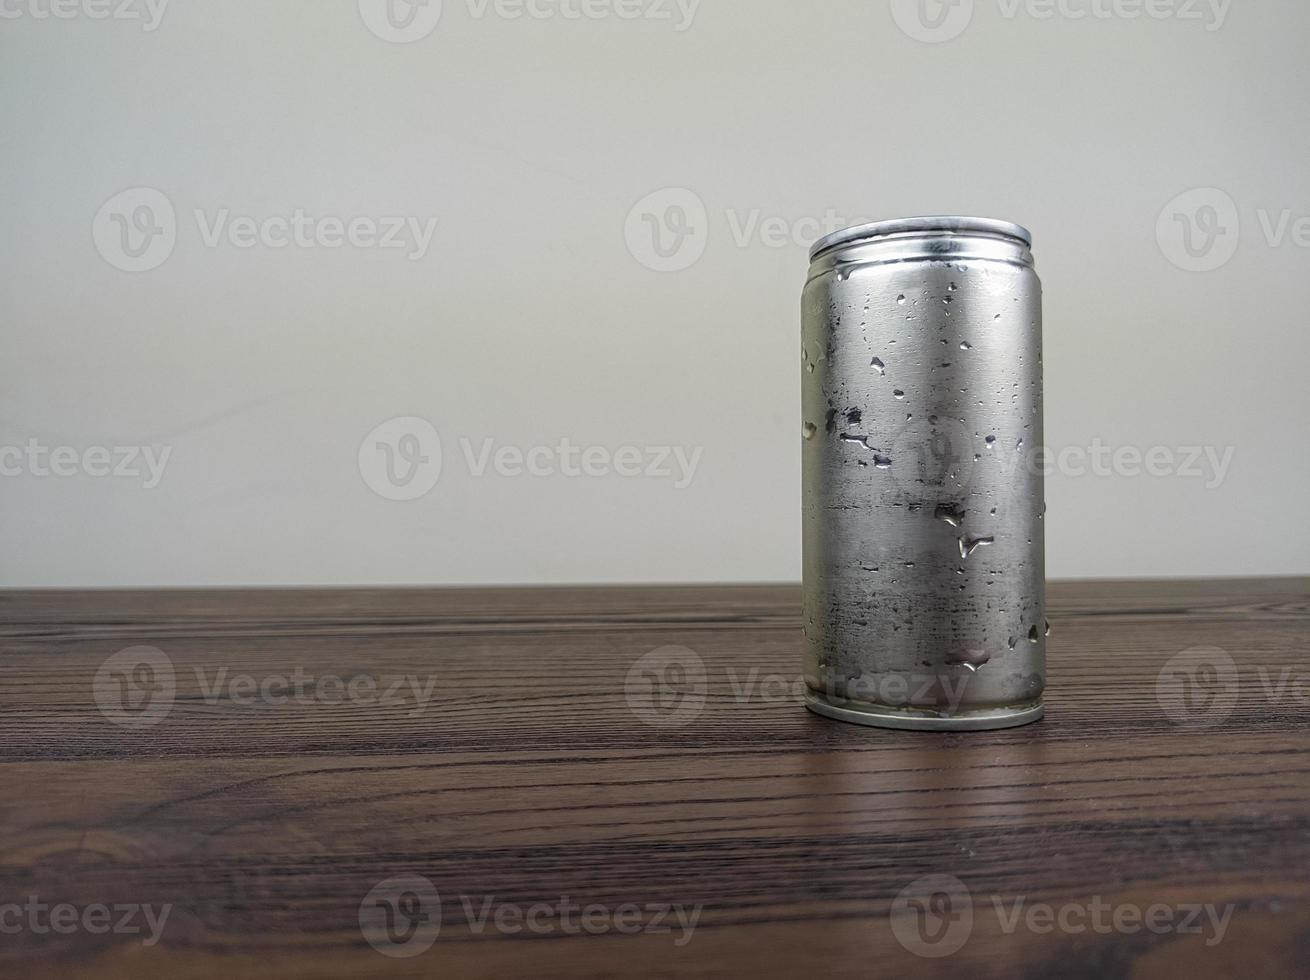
923 494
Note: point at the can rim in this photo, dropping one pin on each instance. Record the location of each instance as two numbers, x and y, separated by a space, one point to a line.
946 224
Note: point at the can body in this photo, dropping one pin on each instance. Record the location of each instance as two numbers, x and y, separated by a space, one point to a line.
924 568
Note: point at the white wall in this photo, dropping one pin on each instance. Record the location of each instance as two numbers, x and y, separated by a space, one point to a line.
533 317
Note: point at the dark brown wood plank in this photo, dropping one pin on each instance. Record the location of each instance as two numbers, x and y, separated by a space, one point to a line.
530 771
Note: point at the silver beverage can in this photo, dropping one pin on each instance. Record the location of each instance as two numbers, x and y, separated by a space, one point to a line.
924 563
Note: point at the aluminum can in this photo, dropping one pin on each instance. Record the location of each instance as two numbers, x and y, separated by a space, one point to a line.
922 489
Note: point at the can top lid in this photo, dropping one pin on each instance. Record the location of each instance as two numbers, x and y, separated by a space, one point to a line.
945 224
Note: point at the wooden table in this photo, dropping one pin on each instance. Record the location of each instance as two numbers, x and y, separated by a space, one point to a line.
539 804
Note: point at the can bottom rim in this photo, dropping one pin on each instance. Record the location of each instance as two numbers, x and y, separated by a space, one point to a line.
988 719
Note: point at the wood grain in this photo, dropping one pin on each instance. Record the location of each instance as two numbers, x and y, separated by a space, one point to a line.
536 769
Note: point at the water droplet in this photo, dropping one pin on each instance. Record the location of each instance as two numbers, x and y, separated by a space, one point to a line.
972 659
1011 642
909 564
969 544
1048 627
809 368
900 300
952 514
879 460
951 288
1032 635
991 441
965 345
809 429
877 363
898 393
